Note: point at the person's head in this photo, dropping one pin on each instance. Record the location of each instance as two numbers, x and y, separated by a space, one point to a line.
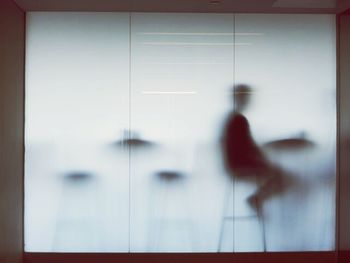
241 96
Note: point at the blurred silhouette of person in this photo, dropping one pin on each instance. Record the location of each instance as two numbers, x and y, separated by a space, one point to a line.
240 150
243 158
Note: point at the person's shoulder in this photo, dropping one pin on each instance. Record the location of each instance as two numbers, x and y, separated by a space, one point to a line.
239 117
237 120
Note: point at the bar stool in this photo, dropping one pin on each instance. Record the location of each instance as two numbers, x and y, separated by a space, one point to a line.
230 216
170 213
77 222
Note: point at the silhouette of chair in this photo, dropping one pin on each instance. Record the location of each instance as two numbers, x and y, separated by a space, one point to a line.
76 226
230 216
169 211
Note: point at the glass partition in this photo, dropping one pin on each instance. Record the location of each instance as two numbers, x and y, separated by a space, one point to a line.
289 64
182 73
77 101
158 132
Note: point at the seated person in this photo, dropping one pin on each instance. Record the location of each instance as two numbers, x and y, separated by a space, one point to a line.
242 156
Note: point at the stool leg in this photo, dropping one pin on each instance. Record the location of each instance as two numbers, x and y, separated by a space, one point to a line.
228 190
260 213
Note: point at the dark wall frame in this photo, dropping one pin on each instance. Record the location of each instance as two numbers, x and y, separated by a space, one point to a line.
343 107
275 257
341 255
12 49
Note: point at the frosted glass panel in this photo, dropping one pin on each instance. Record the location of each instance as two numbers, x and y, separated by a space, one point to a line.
182 73
288 64
152 132
77 101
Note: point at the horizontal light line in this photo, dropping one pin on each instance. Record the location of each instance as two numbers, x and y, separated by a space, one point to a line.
197 34
193 44
186 63
179 58
249 34
168 92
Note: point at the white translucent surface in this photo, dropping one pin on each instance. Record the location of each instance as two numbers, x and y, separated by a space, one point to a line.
124 115
291 69
77 101
182 72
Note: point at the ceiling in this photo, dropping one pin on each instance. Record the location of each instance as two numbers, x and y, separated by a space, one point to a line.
200 6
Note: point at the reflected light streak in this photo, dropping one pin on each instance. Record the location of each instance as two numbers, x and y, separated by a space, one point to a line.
169 92
187 63
193 44
196 34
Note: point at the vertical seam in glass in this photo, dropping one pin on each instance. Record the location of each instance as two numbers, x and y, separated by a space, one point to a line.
233 80
129 136
337 157
23 132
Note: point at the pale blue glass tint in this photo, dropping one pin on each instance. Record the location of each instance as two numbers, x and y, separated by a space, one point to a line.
77 101
289 62
125 120
182 75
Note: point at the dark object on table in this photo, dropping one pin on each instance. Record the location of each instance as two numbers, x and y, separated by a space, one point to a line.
169 176
78 177
292 144
134 142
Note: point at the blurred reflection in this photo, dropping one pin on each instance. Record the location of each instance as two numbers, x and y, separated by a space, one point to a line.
78 177
169 176
133 139
241 153
171 219
78 217
243 158
74 110
245 161
292 144
160 185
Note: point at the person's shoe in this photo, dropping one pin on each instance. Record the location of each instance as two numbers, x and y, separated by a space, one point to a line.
253 201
